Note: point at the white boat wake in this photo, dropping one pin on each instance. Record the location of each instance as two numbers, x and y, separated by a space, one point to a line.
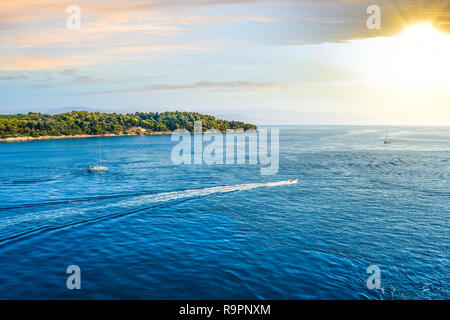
134 202
163 197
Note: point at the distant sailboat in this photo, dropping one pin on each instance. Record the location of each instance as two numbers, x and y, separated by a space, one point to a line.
387 140
98 168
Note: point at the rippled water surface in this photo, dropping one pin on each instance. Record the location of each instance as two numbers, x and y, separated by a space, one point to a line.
152 229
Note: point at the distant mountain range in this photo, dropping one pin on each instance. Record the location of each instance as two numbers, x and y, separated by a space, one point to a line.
75 108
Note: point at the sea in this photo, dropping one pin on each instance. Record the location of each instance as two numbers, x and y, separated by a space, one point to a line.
153 229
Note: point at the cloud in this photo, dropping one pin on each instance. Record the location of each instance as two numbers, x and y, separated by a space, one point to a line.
76 80
237 85
31 62
209 20
8 76
41 23
124 49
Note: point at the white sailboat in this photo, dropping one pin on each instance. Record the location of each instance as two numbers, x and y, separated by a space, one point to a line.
387 140
98 168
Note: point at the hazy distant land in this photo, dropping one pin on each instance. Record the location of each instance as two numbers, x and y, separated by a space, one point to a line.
84 124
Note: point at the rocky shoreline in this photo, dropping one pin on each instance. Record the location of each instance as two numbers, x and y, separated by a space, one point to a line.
79 136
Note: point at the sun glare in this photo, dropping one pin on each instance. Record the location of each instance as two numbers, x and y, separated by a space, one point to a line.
416 58
421 32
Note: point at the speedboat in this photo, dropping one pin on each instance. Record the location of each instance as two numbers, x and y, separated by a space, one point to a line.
293 180
97 169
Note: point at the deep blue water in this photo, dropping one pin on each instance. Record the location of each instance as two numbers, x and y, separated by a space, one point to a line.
152 229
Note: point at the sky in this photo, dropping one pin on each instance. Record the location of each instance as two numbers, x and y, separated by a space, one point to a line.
311 62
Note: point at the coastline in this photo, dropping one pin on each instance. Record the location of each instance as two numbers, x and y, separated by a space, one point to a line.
78 136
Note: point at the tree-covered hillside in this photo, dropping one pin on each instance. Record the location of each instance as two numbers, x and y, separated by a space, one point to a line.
96 123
